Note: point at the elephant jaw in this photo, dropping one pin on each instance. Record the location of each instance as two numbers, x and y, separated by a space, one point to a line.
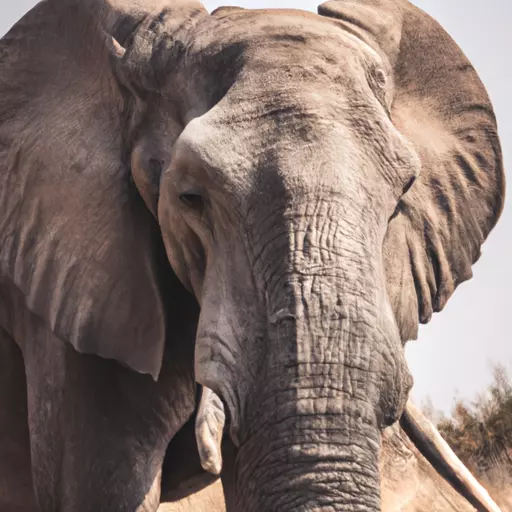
210 421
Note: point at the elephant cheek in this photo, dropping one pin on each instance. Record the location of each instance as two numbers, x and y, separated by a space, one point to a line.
216 370
177 261
230 336
187 259
175 240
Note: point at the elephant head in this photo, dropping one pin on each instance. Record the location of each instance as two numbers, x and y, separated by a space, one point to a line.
322 184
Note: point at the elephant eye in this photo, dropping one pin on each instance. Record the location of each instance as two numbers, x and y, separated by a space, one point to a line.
192 200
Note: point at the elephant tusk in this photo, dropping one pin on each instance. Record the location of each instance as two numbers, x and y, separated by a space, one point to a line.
210 422
436 450
114 47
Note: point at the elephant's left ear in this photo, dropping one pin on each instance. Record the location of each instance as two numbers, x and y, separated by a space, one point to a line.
76 239
440 105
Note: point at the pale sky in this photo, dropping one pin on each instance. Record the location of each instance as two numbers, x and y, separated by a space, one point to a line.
453 352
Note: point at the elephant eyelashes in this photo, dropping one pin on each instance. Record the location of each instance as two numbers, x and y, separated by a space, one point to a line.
192 200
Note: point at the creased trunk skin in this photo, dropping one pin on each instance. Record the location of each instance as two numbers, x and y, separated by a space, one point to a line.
329 378
311 461
315 437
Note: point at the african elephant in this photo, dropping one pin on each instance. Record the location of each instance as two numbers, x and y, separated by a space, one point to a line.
264 203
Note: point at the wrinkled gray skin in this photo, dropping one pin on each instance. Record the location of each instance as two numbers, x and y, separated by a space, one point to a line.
322 184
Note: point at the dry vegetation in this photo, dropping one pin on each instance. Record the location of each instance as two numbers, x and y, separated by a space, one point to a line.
480 433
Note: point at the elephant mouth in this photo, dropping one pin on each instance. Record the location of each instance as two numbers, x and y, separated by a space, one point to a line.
212 423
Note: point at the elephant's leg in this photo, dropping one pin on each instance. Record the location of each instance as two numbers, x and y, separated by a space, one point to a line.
16 491
99 431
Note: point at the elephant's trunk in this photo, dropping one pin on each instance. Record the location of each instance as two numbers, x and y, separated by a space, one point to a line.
324 373
314 455
314 420
329 375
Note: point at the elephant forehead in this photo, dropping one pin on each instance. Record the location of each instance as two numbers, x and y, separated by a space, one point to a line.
300 152
267 23
254 53
277 91
275 37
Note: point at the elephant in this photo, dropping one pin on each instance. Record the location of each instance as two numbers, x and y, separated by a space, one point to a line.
217 233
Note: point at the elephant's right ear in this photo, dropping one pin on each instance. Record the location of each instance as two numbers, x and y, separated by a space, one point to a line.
438 103
75 237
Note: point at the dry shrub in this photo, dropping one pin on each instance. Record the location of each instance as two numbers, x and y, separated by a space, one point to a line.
480 433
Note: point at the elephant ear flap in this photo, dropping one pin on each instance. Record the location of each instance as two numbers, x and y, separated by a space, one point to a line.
77 243
377 22
440 105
